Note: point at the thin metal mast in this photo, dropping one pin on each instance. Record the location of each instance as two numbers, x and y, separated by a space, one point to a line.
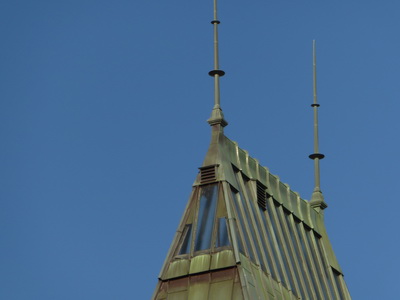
317 199
217 117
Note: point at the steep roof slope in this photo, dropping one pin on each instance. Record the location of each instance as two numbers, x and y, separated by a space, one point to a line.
245 235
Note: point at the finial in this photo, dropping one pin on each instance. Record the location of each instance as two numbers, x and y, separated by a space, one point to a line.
317 199
217 117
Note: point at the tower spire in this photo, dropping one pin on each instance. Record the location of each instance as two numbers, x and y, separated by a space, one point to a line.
217 117
317 199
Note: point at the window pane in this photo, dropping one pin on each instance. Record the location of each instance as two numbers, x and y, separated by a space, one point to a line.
222 234
278 251
292 259
298 256
236 203
205 221
253 227
185 249
239 240
270 255
304 243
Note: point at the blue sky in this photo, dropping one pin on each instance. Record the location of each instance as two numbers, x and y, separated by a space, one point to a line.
103 126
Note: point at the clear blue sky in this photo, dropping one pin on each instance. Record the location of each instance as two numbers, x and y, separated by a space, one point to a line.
103 126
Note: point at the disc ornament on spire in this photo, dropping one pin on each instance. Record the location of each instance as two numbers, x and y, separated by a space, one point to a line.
217 117
317 199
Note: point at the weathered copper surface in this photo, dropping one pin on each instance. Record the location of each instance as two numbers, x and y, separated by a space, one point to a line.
280 251
246 235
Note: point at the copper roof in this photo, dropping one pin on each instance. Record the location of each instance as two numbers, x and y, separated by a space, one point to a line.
246 235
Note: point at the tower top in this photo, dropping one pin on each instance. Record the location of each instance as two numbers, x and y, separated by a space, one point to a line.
217 117
317 199
244 232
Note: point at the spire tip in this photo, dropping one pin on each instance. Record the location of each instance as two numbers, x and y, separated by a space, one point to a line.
217 117
317 199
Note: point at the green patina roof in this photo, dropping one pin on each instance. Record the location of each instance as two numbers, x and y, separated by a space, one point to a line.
245 235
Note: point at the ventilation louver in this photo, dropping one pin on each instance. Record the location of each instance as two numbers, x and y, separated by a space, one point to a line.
261 196
208 174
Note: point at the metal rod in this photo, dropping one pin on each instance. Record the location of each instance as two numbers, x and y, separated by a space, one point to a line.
217 117
217 100
317 199
316 141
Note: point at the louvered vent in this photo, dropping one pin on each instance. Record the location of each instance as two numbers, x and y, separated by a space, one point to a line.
261 196
208 174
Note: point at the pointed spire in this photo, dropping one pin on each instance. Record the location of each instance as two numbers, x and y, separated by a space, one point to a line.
317 199
217 117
